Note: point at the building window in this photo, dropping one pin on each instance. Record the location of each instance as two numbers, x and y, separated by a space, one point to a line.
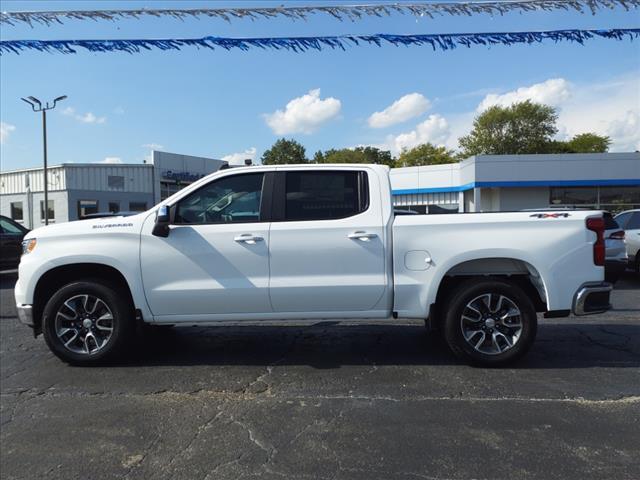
582 196
50 211
167 189
87 207
16 211
114 207
115 182
137 206
613 199
617 199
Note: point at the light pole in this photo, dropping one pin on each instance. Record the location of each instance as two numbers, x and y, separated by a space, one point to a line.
36 106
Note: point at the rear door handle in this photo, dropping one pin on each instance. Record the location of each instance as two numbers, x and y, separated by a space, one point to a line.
360 235
248 238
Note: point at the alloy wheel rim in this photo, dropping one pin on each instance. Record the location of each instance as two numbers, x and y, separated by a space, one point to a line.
84 324
491 323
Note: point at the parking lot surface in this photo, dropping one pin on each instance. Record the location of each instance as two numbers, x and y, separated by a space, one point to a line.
328 400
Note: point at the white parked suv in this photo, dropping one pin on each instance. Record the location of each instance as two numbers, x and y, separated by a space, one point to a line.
309 242
629 221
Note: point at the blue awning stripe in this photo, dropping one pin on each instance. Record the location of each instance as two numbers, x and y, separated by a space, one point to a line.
620 182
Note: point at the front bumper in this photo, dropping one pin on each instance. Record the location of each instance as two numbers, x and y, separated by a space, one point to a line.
592 298
25 314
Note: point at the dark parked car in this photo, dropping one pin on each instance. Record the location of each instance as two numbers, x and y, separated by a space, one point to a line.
11 235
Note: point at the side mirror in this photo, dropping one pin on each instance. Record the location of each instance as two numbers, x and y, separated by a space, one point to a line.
163 218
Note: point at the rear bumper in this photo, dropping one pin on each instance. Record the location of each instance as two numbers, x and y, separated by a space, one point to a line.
25 314
592 298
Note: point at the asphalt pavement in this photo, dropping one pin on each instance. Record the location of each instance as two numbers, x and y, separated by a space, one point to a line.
330 400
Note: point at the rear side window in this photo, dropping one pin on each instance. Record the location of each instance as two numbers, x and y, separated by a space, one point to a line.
634 222
622 219
324 195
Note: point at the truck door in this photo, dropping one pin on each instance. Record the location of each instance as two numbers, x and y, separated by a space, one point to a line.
326 242
215 259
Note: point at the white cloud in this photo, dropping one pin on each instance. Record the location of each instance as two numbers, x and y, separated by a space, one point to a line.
625 131
554 91
5 131
111 160
239 158
434 129
403 109
88 117
153 146
609 108
303 114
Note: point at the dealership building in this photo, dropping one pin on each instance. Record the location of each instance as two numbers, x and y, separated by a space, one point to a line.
78 189
483 183
502 183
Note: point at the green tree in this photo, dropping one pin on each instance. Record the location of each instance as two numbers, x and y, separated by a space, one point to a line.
581 143
523 127
589 143
355 155
425 154
285 151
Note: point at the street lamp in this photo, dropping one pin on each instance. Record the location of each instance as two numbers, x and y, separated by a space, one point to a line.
36 106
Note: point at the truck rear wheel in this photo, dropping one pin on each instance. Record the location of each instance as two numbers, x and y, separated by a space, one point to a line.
489 322
88 322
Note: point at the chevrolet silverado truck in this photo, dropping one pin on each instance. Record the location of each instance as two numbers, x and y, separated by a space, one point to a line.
308 242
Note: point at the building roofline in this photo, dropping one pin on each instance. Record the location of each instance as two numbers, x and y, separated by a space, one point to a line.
72 164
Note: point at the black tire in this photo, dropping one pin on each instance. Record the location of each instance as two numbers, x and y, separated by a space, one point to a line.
122 322
475 292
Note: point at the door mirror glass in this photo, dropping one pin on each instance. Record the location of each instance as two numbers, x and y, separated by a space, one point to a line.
163 218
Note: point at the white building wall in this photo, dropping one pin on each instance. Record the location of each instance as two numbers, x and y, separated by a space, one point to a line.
17 181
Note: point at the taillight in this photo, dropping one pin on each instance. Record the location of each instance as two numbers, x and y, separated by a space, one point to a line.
619 235
597 225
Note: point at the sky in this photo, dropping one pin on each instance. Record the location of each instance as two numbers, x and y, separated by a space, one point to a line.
234 104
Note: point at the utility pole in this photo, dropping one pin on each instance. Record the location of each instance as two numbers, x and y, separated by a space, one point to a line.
36 106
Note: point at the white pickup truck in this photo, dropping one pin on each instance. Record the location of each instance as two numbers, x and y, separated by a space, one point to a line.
308 242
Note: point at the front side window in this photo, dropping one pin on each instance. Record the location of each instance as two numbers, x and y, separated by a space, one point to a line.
16 211
86 207
232 199
324 195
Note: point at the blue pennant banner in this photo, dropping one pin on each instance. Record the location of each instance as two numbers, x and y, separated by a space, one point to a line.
443 41
340 12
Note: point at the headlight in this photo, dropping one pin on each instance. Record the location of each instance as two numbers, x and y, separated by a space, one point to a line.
28 245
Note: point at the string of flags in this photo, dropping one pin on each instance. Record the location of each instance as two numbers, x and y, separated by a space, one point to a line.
442 41
340 12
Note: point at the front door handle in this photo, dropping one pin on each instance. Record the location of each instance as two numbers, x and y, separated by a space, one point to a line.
360 235
248 238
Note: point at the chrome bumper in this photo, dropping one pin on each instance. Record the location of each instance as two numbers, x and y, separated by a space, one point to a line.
592 298
25 314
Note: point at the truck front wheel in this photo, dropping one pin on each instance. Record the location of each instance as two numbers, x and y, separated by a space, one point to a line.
87 322
489 322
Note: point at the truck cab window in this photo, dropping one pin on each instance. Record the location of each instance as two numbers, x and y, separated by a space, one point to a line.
233 199
324 195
